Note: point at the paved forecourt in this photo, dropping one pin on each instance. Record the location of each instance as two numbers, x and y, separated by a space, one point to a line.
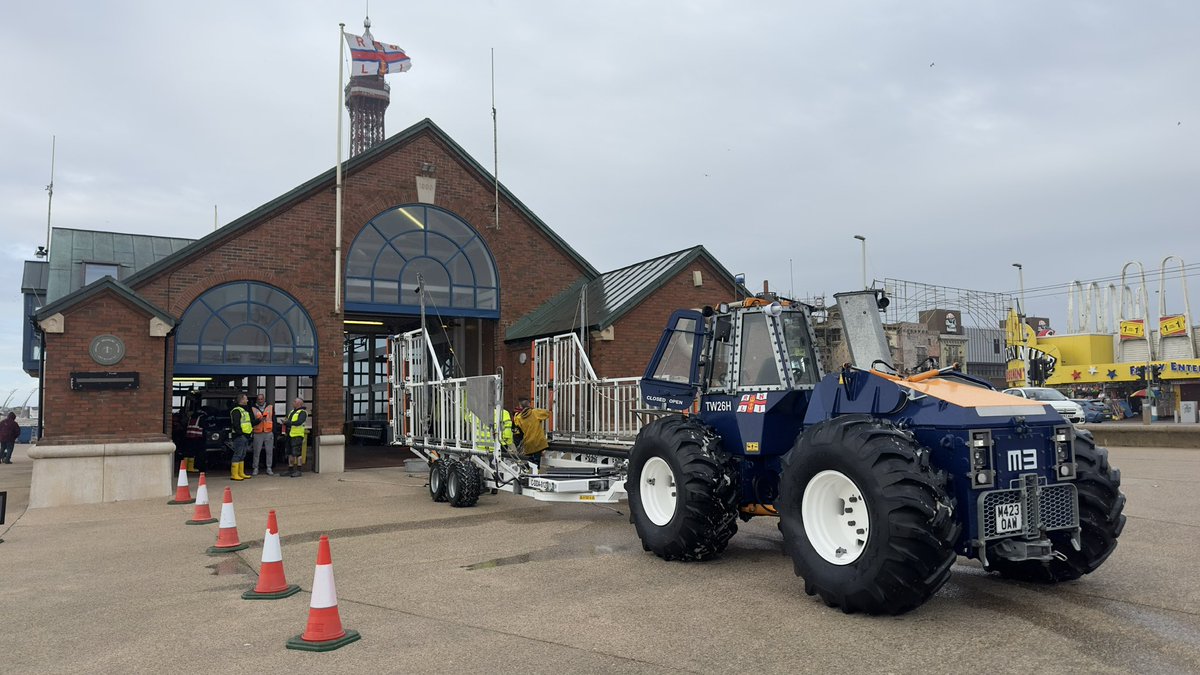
512 583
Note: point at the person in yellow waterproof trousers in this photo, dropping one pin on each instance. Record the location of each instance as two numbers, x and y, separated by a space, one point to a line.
295 424
240 432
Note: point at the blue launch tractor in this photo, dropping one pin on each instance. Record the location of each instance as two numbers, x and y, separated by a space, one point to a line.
879 481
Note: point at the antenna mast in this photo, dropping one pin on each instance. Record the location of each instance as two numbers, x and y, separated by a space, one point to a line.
50 190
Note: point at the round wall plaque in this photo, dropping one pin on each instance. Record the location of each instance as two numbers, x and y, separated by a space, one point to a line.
107 350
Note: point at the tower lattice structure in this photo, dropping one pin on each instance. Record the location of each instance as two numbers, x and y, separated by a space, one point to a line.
367 98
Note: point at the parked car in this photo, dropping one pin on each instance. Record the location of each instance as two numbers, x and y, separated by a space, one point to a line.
1053 398
1094 410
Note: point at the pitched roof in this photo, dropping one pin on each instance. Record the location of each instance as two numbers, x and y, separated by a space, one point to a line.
327 178
71 248
608 297
97 287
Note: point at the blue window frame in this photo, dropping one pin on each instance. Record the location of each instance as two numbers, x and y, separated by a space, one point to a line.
415 241
245 327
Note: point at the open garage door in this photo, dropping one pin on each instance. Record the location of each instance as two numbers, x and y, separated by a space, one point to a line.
240 337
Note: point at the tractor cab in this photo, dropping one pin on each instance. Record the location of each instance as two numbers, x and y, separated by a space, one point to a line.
755 346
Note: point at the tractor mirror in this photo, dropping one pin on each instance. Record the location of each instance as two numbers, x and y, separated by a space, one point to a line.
723 328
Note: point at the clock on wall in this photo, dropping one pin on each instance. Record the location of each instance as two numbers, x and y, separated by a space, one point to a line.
107 350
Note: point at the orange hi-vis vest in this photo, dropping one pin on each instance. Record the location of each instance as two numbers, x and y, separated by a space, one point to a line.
265 423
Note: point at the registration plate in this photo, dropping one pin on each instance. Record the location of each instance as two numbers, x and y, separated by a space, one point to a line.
1008 518
541 484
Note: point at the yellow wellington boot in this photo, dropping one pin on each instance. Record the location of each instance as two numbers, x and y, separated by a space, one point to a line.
191 464
242 470
233 471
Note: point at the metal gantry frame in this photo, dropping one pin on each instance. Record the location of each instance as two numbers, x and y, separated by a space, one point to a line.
978 309
461 418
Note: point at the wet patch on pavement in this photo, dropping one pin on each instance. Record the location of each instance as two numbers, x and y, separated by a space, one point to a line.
553 553
468 518
233 565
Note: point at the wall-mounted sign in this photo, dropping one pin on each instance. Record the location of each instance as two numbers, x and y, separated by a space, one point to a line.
1133 330
107 350
93 381
944 321
1172 325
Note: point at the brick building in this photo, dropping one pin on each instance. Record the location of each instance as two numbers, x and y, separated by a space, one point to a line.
253 306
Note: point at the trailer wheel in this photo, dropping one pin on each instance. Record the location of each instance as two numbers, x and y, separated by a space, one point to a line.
682 496
463 484
437 480
868 524
1101 520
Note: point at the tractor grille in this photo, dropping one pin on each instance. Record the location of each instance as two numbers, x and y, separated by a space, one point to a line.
1043 508
1058 507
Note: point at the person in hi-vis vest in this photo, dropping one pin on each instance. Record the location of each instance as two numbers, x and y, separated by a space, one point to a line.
295 425
264 434
240 431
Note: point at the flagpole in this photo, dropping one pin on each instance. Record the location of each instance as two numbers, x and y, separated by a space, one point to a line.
495 145
337 219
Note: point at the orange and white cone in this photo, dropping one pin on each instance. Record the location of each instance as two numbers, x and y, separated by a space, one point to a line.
202 515
227 534
324 631
272 584
182 494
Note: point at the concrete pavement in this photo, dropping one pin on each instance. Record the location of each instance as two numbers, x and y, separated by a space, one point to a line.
516 585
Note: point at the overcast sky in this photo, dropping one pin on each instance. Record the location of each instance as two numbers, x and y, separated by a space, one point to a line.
958 137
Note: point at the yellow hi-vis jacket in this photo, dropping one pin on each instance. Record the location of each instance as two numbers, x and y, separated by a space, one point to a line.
483 430
240 417
296 422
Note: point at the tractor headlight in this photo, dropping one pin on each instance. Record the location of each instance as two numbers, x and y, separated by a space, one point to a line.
1064 452
983 474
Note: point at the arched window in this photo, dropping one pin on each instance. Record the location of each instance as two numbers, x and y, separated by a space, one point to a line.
245 327
417 241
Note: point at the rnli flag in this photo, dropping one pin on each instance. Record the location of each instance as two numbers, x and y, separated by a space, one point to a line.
371 57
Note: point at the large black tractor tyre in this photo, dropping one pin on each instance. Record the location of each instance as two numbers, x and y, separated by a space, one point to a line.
1101 520
868 523
463 484
437 480
682 494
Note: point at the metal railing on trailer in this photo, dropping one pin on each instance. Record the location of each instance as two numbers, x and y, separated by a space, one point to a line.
585 411
442 418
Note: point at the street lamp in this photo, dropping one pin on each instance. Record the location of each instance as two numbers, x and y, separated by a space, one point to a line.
864 258
1021 280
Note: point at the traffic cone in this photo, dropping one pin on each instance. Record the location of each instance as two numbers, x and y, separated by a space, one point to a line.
182 494
271 582
227 534
202 515
324 631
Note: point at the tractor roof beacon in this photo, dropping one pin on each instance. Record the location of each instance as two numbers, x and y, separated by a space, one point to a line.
879 481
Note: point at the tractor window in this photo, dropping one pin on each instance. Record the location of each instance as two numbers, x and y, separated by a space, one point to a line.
719 367
801 360
758 358
676 362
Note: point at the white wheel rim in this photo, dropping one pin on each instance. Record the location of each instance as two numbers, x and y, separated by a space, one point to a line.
658 491
835 517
